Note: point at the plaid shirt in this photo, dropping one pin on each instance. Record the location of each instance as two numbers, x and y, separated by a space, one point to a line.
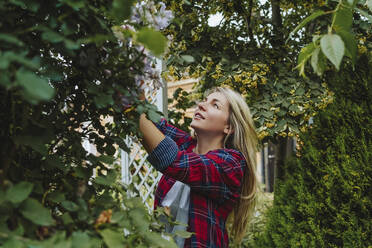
214 178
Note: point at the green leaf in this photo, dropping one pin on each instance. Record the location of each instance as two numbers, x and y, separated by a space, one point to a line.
34 142
70 206
30 5
343 17
293 128
317 61
83 215
9 57
154 115
11 39
313 16
300 91
267 114
152 40
351 45
82 204
113 239
19 3
66 218
75 4
333 48
52 36
117 217
106 159
183 234
365 14
110 150
369 5
106 180
13 243
56 197
304 55
122 9
19 192
188 58
139 220
5 80
282 113
58 240
73 45
4 61
36 87
103 100
221 79
282 125
20 230
82 172
81 240
32 210
98 39
156 240
52 75
2 198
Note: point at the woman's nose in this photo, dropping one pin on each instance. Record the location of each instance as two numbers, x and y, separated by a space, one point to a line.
201 105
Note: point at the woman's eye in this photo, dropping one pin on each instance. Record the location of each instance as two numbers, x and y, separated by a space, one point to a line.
216 106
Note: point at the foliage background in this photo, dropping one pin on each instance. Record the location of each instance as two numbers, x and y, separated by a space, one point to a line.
247 52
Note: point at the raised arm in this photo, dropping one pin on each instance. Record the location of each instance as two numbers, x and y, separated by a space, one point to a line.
182 138
152 136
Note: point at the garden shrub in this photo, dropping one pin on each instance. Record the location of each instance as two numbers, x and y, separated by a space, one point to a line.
324 198
61 62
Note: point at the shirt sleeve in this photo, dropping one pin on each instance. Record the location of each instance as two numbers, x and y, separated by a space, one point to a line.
217 174
176 134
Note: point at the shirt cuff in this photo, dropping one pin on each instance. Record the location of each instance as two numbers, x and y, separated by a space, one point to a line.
164 154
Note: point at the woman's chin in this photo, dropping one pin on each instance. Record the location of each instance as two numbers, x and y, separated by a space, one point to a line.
194 124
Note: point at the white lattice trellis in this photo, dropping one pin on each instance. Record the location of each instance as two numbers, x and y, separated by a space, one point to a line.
135 169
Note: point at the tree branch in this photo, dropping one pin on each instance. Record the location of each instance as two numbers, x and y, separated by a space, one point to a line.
277 22
248 21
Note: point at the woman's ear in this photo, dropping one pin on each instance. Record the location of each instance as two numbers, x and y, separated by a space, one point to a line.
228 130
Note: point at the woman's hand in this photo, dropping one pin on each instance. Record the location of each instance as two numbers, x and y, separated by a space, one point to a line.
152 136
126 102
141 86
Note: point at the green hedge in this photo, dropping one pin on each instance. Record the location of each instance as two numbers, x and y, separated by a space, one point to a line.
325 196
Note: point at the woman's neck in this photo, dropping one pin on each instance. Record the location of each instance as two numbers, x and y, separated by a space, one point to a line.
207 143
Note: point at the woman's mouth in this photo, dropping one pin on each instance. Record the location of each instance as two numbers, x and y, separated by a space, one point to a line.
198 116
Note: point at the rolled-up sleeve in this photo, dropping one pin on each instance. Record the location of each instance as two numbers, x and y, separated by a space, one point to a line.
176 134
164 154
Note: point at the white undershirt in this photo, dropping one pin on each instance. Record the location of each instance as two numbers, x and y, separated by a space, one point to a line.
178 200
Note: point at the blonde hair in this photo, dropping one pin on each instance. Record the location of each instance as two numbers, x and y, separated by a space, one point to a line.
243 139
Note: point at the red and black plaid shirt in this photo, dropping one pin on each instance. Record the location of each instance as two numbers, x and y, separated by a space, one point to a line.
214 178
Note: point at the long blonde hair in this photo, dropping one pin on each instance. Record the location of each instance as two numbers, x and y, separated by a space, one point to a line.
243 139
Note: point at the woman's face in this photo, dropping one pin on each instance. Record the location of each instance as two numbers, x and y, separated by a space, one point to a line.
211 115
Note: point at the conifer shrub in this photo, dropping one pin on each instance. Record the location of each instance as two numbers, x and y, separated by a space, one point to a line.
324 198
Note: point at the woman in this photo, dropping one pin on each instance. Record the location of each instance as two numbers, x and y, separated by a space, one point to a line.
210 176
